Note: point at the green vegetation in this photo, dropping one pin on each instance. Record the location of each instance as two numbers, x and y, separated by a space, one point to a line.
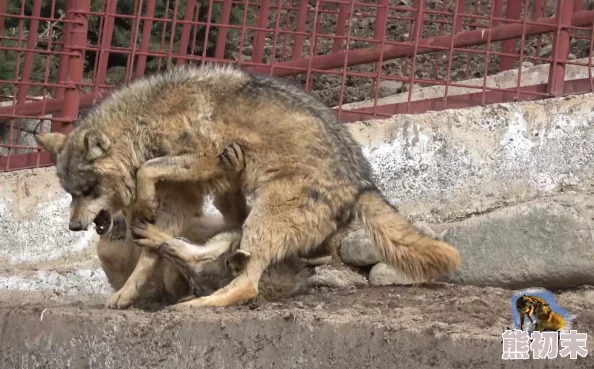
163 37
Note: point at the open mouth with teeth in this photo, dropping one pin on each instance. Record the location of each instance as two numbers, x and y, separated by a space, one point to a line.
103 222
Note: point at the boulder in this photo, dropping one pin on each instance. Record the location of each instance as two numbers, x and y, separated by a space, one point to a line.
547 243
382 274
356 249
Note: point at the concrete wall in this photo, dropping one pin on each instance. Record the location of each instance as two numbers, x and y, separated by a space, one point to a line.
464 173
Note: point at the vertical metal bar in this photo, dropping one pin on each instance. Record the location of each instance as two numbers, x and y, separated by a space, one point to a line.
498 5
451 53
3 6
521 60
105 41
538 7
275 37
459 20
315 37
63 62
173 30
344 67
590 57
487 55
259 37
474 26
163 33
206 30
313 45
222 33
340 26
379 33
78 42
285 35
417 35
411 27
560 48
48 57
301 19
146 38
130 62
377 81
446 5
16 78
195 33
185 34
514 9
242 33
30 53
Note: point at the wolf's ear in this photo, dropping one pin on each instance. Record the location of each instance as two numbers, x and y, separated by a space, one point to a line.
52 142
96 145
238 260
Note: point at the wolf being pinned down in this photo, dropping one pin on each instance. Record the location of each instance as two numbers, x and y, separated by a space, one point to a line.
308 176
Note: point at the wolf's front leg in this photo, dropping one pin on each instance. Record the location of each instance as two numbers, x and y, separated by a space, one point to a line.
188 167
125 296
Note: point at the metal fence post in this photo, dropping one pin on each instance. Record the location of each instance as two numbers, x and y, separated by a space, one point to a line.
76 60
560 48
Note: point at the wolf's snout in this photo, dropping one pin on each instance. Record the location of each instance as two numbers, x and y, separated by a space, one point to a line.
75 226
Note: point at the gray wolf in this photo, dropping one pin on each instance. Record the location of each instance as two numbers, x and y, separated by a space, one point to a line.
308 176
210 266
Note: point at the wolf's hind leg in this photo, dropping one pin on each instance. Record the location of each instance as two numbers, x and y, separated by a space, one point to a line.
181 252
269 238
176 250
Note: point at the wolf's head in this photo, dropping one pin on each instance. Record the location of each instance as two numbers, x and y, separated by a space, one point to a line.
94 173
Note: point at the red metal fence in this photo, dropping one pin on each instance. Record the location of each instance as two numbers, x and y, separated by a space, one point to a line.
369 59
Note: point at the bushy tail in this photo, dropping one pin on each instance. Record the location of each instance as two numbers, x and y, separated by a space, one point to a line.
419 257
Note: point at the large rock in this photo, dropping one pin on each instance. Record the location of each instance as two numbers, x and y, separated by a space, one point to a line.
337 278
547 243
382 274
356 249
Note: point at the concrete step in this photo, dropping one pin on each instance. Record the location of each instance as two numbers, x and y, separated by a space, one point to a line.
431 326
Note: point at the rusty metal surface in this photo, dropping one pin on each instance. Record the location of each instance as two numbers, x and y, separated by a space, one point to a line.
64 59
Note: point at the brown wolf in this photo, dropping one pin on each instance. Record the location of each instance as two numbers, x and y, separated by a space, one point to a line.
308 176
546 319
172 281
525 306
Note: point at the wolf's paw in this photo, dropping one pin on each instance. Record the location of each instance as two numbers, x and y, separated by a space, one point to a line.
232 158
188 302
148 235
122 299
145 208
146 212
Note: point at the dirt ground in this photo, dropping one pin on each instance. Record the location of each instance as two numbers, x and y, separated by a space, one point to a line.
400 321
438 306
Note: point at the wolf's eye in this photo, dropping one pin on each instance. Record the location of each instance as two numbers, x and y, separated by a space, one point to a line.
87 191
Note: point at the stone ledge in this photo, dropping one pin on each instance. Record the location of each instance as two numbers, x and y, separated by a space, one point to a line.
436 326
